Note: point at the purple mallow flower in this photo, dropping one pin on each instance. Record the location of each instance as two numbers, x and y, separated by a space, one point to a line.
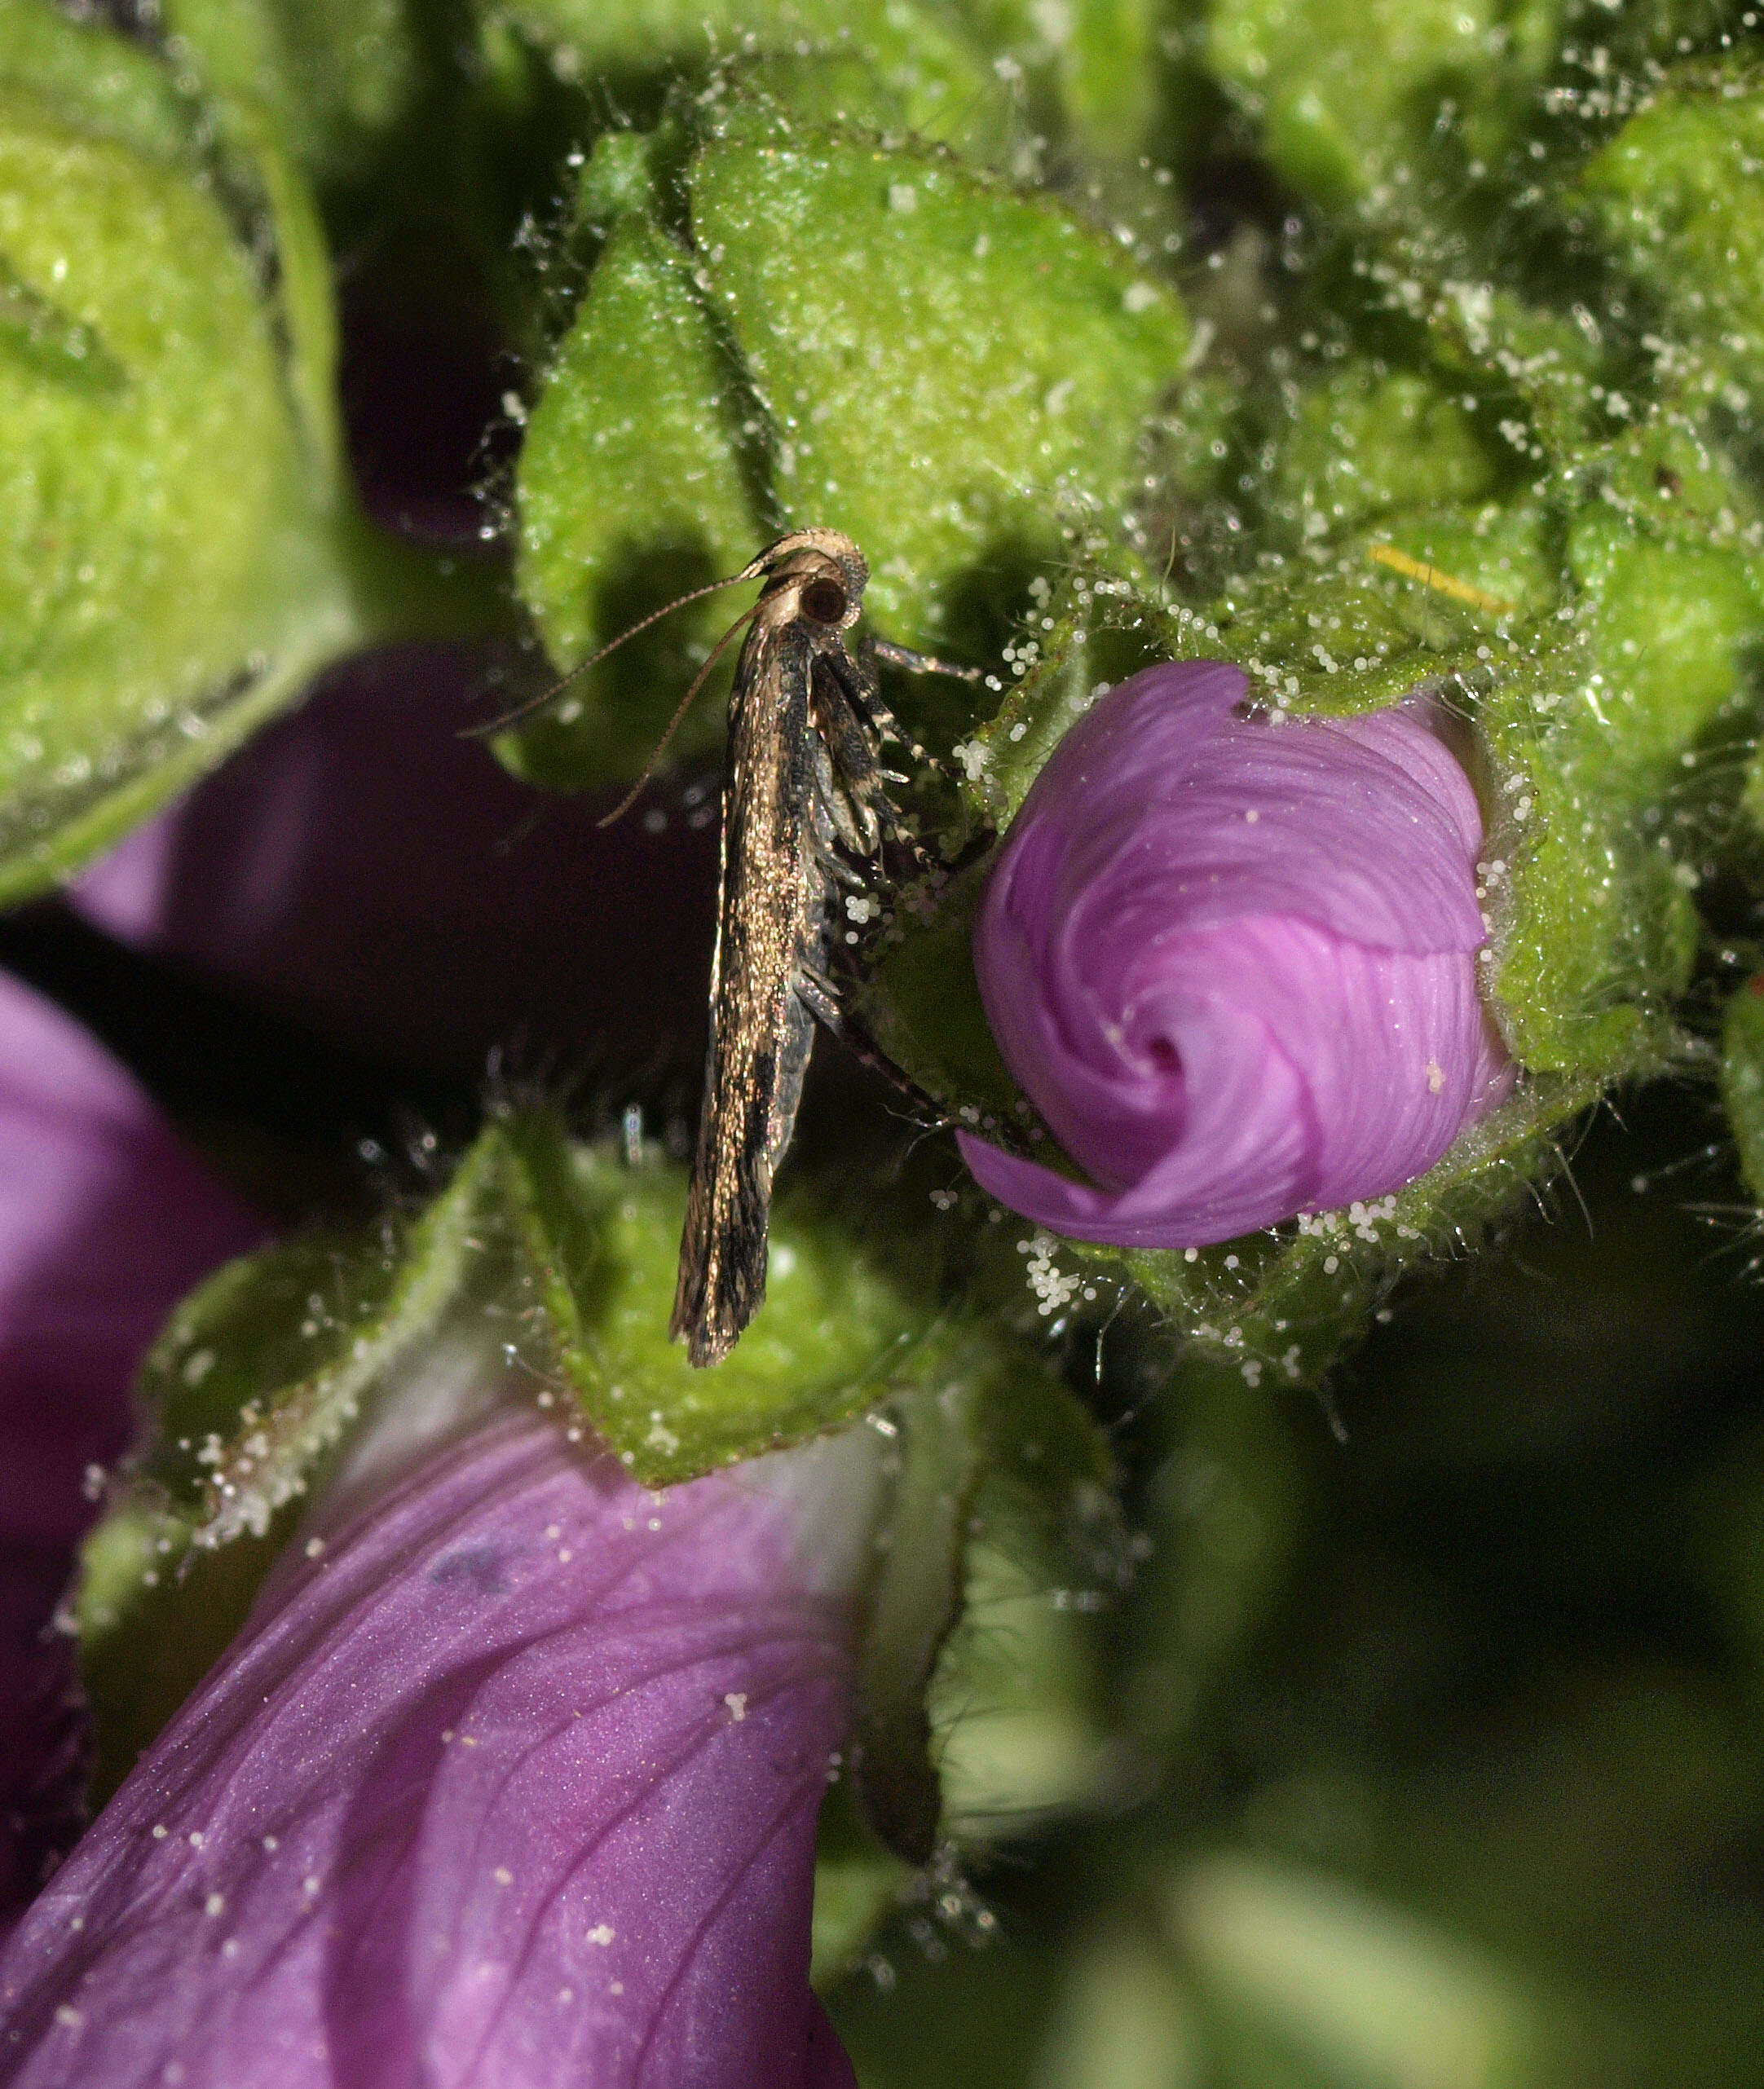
512 1780
105 1222
1232 960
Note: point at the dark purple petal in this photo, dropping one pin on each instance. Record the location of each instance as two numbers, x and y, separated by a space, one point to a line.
106 1221
1232 960
515 1784
360 867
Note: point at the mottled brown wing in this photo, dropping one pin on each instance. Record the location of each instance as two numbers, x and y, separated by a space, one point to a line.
772 902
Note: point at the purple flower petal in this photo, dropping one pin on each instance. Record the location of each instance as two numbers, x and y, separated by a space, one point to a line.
106 1221
360 867
1231 962
515 1785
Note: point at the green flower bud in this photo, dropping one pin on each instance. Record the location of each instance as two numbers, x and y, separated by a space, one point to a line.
1742 1079
180 551
334 76
893 67
1680 198
841 355
1351 99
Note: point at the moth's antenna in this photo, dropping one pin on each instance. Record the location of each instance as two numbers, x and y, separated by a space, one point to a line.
538 703
631 796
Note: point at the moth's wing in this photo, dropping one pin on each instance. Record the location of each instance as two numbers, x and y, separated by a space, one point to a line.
772 894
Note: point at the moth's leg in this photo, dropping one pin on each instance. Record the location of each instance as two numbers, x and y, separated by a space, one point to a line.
818 995
845 818
920 664
861 686
836 867
853 768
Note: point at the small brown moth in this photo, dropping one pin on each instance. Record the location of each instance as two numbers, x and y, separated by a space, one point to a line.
805 798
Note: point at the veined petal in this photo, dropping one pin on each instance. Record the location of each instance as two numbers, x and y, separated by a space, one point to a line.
1233 963
514 1784
106 1220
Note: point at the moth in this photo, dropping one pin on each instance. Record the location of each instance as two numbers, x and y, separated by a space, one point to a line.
805 802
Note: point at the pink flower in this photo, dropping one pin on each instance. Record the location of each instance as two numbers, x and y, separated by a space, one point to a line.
105 1222
513 1783
1233 962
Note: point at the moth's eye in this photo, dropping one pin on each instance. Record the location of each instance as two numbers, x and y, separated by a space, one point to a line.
824 600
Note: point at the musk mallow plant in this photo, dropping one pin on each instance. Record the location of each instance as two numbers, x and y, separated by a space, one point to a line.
767 275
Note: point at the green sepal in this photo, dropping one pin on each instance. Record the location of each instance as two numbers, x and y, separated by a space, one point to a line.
977 1706
893 65
1672 625
270 191
601 1245
1742 1078
1359 443
95 80
916 1602
545 1272
590 1246
857 1879
1349 100
820 365
181 555
633 488
332 79
1021 1733
957 374
169 578
1679 195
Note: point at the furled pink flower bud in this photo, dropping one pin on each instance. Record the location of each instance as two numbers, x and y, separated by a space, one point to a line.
106 1220
1233 962
510 1783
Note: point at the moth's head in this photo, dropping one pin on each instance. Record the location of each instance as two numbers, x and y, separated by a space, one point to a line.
823 570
